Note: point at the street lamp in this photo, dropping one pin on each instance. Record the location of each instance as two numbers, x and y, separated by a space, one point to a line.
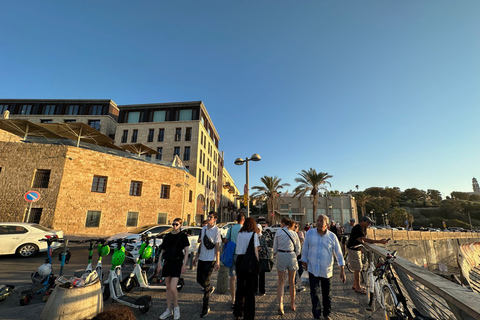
330 211
384 217
372 214
239 162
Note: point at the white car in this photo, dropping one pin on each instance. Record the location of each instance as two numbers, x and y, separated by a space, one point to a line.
272 229
224 226
23 238
131 249
136 234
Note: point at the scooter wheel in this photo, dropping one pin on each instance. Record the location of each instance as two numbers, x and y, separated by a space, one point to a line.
106 292
144 303
128 284
25 299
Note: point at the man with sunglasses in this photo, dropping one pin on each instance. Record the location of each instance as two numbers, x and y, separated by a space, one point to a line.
175 252
208 259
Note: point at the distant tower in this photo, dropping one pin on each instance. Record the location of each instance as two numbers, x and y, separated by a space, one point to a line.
476 188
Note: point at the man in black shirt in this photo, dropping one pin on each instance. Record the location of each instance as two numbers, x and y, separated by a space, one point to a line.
358 237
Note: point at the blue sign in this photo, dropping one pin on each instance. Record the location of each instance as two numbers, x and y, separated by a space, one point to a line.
32 196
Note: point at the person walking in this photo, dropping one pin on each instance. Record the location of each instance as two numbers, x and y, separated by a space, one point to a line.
208 260
298 276
317 258
174 250
286 246
262 254
357 237
245 294
232 236
347 230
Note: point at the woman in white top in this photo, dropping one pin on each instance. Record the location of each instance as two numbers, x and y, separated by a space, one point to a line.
246 280
286 246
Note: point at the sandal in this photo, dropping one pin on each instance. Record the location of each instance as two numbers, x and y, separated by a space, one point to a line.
361 291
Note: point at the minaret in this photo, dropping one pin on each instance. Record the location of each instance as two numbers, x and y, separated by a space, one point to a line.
476 188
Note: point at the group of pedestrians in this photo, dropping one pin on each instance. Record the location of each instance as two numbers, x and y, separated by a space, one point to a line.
312 252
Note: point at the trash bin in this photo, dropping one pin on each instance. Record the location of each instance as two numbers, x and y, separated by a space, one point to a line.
74 303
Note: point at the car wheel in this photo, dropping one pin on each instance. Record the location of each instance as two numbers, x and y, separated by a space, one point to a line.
27 250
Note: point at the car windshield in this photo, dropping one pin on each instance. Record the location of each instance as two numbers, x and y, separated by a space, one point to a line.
141 229
41 227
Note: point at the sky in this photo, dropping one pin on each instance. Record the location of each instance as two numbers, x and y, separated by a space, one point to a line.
375 93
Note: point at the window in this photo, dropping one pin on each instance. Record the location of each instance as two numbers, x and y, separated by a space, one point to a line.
178 134
176 151
72 110
3 108
41 178
165 192
190 196
148 157
185 115
36 215
159 155
95 124
161 135
8 229
188 134
136 188
186 154
134 136
45 120
132 219
162 218
159 116
96 110
26 109
99 184
93 219
199 175
151 132
133 117
69 120
125 136
49 109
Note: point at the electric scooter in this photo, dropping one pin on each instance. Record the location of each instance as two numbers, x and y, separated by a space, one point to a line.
143 276
43 279
114 288
103 250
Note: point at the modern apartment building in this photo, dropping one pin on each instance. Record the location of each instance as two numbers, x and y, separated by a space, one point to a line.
182 129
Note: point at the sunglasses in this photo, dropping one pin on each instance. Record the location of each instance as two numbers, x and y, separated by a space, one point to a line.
175 224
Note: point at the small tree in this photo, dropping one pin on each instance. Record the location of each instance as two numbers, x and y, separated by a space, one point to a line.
398 217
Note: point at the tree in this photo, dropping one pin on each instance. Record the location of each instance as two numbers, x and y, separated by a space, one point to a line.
269 192
374 191
362 199
435 195
413 194
310 182
393 194
460 195
398 217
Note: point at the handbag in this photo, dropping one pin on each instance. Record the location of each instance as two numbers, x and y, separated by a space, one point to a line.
207 242
250 262
266 265
227 254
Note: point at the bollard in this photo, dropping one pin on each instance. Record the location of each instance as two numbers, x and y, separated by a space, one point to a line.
223 285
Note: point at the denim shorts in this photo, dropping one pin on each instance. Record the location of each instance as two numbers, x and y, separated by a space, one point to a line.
232 271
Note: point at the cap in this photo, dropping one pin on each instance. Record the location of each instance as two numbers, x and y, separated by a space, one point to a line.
352 219
365 218
259 226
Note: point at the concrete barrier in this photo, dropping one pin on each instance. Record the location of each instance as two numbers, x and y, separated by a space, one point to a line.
72 304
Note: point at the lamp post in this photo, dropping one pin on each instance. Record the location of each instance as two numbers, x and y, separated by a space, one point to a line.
239 162
372 214
330 211
384 215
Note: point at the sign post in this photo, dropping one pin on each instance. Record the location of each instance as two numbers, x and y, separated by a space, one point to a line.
31 196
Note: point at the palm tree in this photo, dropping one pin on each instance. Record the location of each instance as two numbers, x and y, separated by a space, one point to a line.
269 192
362 199
311 182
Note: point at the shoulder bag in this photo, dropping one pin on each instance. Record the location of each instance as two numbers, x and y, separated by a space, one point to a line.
250 262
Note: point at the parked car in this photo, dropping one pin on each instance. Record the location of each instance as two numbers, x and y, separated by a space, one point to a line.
23 238
273 229
224 226
136 233
383 226
131 249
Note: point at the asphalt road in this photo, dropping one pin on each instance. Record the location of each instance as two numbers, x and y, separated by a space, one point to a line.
16 271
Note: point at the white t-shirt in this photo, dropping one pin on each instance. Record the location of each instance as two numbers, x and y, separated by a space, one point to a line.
214 235
243 239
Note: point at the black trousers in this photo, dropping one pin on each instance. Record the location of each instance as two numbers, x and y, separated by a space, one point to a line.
325 285
204 271
260 282
245 293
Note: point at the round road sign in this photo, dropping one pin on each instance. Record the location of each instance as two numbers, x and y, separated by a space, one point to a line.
32 196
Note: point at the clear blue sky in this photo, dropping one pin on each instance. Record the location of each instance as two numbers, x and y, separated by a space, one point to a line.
376 93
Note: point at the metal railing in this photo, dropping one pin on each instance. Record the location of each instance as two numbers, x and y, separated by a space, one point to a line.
431 294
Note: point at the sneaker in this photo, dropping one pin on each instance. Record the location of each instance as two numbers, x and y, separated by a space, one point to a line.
176 313
166 314
301 289
204 312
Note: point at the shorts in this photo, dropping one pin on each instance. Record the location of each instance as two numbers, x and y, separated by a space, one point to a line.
355 259
286 261
232 271
172 268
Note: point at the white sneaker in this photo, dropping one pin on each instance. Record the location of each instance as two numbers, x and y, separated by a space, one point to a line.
166 314
176 313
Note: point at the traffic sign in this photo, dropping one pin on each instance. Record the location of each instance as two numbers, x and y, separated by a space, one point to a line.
32 196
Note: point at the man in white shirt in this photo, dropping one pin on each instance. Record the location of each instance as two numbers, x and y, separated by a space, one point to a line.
208 259
317 258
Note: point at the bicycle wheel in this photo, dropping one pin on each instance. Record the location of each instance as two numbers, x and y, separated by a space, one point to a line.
392 307
347 264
